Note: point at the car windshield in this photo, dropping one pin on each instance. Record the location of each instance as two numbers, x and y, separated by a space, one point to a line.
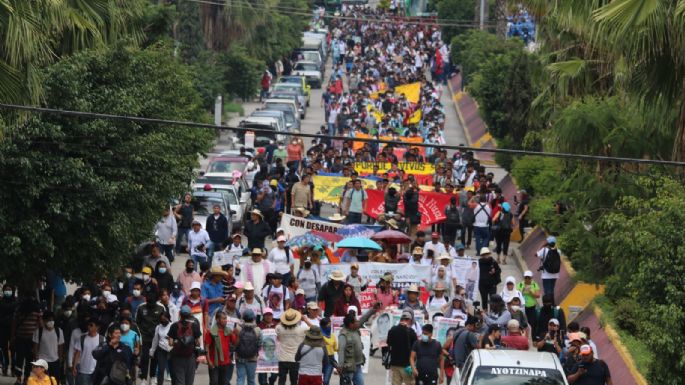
289 117
313 56
204 205
291 79
288 87
226 166
306 67
496 375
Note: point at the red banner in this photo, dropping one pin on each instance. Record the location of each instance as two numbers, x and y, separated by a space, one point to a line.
431 205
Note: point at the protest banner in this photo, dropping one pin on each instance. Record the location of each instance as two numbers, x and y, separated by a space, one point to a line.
368 297
404 274
445 328
414 168
267 362
381 326
295 226
431 205
329 189
411 91
466 272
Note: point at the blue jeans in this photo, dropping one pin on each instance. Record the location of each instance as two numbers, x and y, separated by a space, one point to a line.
182 233
354 218
482 235
331 129
548 285
229 373
246 369
84 379
327 372
357 377
198 260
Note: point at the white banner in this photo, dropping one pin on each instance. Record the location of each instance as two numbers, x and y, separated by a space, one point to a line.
268 360
295 226
445 328
404 274
467 273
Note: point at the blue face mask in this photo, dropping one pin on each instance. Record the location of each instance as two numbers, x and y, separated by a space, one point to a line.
425 338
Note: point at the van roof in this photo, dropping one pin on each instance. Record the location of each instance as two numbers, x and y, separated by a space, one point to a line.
516 358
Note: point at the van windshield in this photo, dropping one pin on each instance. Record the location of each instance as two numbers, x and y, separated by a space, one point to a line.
498 375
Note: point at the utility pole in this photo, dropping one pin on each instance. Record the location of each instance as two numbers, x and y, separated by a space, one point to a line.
483 4
218 110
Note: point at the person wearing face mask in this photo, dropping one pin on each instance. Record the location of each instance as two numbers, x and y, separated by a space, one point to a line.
165 281
85 295
160 348
149 283
82 363
188 276
401 339
48 344
517 313
184 337
426 359
136 298
147 318
129 336
155 257
8 305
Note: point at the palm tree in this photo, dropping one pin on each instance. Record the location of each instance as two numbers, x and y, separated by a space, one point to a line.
501 17
650 35
36 33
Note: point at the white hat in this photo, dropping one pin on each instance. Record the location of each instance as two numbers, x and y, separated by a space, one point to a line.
528 273
554 321
354 309
41 362
280 238
484 250
196 285
248 286
510 279
278 230
299 291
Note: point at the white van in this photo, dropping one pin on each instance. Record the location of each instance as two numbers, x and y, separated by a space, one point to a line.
510 367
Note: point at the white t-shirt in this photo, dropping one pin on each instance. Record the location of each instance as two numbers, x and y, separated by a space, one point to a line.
482 213
269 293
544 274
313 321
86 361
49 345
75 339
438 249
279 261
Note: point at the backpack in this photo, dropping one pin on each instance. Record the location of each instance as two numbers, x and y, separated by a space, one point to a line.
452 216
185 340
505 221
552 261
248 343
555 313
118 373
40 335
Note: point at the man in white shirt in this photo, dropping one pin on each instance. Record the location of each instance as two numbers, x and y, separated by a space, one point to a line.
312 318
481 224
232 253
255 270
83 363
198 239
48 344
549 279
282 260
435 245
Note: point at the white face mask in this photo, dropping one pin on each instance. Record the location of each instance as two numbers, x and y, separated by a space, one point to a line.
50 324
128 275
136 293
8 293
106 293
146 277
125 327
67 313
515 308
86 297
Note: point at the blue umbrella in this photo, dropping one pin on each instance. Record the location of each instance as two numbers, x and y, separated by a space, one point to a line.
358 243
348 231
307 239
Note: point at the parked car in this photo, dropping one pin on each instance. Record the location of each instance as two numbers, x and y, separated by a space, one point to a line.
280 115
295 87
294 96
310 70
227 164
291 104
292 120
223 182
297 80
203 206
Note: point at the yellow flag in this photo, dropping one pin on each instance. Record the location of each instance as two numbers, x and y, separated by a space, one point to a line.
414 118
411 91
329 188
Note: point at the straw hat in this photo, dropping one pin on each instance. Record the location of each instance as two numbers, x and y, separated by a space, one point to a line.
314 333
302 211
217 270
413 288
417 250
337 276
291 317
392 223
439 287
484 251
444 256
248 286
336 217
257 251
257 212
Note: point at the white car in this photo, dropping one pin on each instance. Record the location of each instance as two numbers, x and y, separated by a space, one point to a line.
510 367
237 192
310 71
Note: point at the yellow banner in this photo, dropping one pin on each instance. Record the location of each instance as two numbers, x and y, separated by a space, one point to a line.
411 91
416 168
329 188
415 117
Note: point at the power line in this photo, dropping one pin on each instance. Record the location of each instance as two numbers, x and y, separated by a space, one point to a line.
93 115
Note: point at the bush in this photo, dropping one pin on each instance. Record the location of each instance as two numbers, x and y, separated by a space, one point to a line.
242 73
626 314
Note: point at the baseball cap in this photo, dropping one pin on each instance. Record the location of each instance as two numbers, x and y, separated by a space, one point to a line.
147 270
353 308
280 238
185 310
268 310
528 273
435 235
585 350
460 247
42 363
554 321
551 240
406 315
195 285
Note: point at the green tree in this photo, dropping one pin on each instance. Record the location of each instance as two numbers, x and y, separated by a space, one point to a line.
646 251
34 34
242 72
85 191
454 12
473 49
